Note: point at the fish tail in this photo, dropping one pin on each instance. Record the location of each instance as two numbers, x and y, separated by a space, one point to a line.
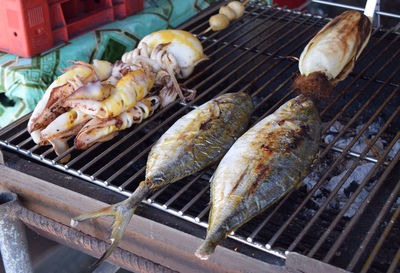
205 249
121 212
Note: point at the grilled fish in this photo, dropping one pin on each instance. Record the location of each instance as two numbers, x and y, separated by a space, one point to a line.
195 141
263 165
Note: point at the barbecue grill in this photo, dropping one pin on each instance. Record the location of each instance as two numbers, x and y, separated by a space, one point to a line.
343 217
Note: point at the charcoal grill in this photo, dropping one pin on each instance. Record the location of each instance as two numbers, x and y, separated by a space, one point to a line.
309 230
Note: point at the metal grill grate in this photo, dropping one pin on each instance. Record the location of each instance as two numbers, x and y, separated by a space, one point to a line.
350 224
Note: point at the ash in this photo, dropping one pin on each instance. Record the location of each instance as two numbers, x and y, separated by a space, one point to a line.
395 205
345 191
342 193
361 144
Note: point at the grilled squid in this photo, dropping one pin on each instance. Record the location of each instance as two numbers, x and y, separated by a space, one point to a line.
96 101
100 130
330 56
69 123
132 87
51 105
63 128
180 49
66 125
171 54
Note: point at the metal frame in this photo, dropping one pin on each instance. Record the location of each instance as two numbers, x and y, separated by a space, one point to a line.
220 47
378 12
13 243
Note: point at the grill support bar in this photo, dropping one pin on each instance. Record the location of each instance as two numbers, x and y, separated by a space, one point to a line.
394 263
86 243
13 243
380 13
376 223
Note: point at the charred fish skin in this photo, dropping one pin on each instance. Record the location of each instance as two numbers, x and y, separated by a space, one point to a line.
199 139
263 165
195 141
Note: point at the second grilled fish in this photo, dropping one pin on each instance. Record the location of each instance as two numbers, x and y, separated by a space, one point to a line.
195 141
264 164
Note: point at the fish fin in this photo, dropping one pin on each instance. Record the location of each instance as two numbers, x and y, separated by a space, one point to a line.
121 212
204 251
118 229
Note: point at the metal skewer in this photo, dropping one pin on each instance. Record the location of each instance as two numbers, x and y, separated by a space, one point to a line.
369 10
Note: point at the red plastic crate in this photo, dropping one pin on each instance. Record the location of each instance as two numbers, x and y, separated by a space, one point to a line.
123 8
291 4
30 27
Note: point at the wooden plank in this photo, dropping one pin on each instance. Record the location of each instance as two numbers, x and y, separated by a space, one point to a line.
151 240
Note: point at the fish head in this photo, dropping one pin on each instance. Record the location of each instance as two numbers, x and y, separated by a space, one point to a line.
239 100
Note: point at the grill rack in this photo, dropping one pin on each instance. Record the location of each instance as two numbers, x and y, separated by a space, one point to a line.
256 38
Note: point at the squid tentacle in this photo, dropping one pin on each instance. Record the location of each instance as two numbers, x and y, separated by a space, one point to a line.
165 65
100 130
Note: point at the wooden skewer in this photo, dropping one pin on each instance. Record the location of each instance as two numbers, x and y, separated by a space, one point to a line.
244 3
205 31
